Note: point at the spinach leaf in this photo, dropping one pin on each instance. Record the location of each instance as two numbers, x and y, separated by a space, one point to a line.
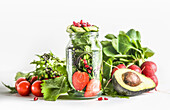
109 51
124 43
148 52
133 35
115 44
110 36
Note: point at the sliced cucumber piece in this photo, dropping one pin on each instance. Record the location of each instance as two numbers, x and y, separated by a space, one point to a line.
77 29
91 29
69 30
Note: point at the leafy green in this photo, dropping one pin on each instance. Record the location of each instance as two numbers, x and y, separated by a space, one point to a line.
53 88
110 36
148 52
124 49
124 43
12 89
21 74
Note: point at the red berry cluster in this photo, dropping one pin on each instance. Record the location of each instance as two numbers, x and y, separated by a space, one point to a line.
81 24
89 68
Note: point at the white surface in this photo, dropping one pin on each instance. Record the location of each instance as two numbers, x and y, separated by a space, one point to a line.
37 26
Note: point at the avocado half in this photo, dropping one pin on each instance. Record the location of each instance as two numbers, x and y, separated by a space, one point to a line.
124 88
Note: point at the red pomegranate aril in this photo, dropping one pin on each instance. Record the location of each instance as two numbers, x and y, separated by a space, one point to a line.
89 71
81 22
86 66
35 98
74 23
100 99
85 62
90 68
105 98
78 24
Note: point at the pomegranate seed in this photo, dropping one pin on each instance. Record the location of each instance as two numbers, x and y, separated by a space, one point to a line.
78 24
84 25
81 22
35 98
74 23
89 71
86 66
100 99
88 25
90 68
105 98
85 62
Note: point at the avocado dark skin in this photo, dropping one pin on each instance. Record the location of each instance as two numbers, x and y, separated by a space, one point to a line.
129 78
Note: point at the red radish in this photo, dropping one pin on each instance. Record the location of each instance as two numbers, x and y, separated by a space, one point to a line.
24 88
155 79
80 80
93 88
117 67
135 68
18 81
148 68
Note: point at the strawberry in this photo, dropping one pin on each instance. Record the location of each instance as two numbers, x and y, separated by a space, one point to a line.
93 88
80 80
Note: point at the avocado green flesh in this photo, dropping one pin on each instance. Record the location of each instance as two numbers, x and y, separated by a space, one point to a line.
72 29
123 89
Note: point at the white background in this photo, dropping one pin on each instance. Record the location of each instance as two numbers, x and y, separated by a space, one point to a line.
38 26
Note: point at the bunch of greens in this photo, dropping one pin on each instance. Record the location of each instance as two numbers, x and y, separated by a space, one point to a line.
124 49
52 71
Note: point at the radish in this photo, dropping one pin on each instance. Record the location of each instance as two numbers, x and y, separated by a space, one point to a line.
135 68
155 80
117 67
148 68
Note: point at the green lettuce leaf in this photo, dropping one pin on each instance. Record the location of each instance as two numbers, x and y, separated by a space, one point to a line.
53 88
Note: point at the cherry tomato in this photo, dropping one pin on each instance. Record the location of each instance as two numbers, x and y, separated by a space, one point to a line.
36 88
24 88
34 78
18 81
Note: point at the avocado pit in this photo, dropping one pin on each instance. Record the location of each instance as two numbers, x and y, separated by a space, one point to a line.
131 79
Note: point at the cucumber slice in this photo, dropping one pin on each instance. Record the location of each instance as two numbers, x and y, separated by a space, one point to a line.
77 29
69 30
91 29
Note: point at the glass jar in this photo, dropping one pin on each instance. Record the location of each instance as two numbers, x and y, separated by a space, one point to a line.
84 65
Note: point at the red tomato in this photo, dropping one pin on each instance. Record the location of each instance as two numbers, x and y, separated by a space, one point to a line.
36 88
34 78
18 81
24 88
